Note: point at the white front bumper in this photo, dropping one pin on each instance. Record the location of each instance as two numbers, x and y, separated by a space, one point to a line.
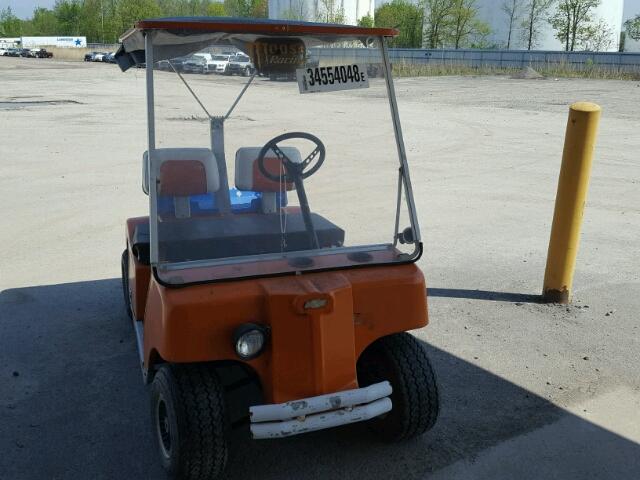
318 413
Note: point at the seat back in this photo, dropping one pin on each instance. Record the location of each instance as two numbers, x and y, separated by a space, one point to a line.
249 177
183 172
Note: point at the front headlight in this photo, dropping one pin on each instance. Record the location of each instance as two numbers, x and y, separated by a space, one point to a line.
249 340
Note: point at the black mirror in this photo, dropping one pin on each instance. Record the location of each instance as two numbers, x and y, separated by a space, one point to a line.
406 236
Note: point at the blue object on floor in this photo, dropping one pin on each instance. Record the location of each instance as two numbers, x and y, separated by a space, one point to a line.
241 202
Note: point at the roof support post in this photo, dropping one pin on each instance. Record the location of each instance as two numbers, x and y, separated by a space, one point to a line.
217 147
151 140
402 154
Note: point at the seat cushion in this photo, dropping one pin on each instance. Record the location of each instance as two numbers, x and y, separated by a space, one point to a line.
185 176
182 179
234 235
248 175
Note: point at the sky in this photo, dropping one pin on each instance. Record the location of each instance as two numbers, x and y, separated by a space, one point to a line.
24 8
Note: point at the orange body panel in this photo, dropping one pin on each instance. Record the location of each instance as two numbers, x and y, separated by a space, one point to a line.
310 351
139 274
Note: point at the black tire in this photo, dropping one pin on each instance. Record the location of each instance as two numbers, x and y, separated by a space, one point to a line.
124 267
189 420
402 360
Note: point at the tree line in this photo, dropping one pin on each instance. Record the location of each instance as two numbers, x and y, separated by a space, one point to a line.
103 21
427 23
457 24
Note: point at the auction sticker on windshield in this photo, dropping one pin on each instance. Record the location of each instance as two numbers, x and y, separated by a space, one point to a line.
330 79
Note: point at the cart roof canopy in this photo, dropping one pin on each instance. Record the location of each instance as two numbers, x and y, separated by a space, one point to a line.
178 36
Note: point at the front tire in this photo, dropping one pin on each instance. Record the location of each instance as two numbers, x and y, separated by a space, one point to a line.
402 360
189 420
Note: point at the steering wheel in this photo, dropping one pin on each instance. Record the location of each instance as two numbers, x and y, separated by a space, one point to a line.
292 169
296 173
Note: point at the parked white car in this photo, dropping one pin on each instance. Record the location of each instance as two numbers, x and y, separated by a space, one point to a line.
220 63
240 64
3 52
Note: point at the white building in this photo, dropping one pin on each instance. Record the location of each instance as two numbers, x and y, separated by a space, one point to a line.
9 42
315 10
490 11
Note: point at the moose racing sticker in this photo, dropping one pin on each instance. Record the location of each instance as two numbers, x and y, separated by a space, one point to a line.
330 79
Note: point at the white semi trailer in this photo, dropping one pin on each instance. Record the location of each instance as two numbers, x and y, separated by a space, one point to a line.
65 42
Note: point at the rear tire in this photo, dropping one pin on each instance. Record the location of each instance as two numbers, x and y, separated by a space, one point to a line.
402 360
124 267
189 421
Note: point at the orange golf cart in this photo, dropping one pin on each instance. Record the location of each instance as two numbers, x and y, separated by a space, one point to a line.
280 302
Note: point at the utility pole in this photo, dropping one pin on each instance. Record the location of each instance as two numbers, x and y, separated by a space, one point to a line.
102 19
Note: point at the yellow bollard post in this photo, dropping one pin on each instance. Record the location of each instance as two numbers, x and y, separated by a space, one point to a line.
582 129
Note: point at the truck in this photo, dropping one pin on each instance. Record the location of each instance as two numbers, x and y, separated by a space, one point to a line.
42 53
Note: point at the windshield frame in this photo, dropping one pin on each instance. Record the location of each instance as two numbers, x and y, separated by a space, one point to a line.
404 181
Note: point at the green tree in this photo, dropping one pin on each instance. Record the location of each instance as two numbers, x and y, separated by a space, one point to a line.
10 25
436 22
184 7
92 20
43 23
128 12
464 24
404 16
330 11
67 13
216 9
632 27
536 14
112 25
597 37
366 21
572 20
513 10
246 8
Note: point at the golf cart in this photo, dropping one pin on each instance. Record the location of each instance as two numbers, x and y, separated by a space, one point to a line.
279 306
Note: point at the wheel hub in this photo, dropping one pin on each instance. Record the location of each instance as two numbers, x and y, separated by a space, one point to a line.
163 428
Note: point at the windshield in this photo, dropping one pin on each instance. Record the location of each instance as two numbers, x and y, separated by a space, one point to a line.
220 57
293 182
